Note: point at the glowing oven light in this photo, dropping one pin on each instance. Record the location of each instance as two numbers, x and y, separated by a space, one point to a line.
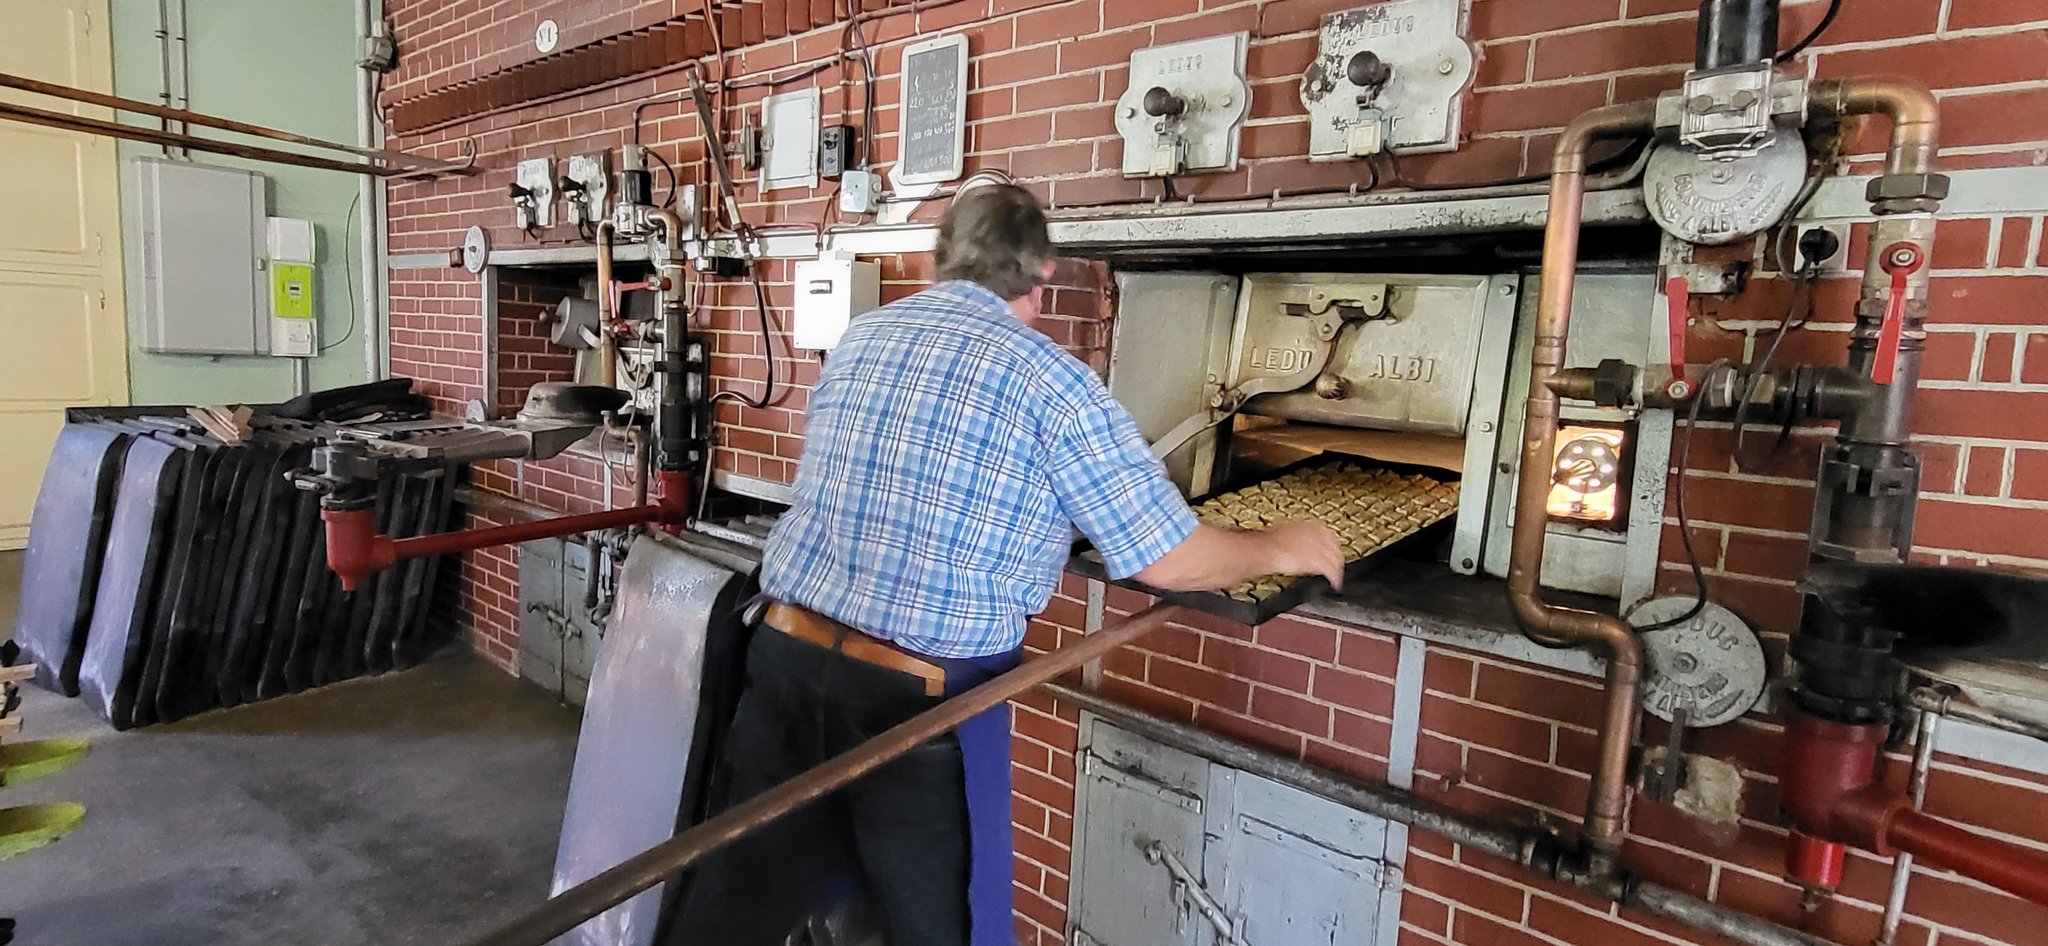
1585 474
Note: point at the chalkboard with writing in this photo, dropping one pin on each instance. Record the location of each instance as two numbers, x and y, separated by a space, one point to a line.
934 111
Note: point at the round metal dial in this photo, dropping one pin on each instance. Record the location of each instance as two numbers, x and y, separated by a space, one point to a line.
1586 465
476 250
1711 666
1713 200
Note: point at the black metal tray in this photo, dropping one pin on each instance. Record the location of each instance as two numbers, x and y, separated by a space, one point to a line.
1085 561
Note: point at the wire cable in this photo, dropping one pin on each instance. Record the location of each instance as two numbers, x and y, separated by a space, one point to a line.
767 351
348 272
1826 20
1692 555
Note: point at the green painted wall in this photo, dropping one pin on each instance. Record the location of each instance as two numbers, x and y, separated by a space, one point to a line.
287 64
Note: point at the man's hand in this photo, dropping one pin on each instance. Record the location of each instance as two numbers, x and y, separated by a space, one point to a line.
1306 547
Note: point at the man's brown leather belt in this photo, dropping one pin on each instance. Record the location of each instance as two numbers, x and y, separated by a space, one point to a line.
812 627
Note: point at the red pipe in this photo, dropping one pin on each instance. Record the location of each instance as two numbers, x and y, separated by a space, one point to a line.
1830 787
355 549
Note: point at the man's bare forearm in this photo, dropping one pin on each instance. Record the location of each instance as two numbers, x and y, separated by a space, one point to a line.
1211 558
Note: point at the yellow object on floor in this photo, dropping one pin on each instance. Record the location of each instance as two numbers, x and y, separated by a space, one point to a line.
22 761
32 826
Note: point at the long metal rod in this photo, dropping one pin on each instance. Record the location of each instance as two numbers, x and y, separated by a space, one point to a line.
122 130
1520 845
1902 866
1927 700
391 159
1607 801
570 908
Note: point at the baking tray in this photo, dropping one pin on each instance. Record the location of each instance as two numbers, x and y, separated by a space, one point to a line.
1085 561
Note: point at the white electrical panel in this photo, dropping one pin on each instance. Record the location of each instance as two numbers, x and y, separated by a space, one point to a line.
1420 62
789 148
1185 108
292 254
203 240
830 291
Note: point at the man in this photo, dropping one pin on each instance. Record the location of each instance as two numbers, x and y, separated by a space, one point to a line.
951 450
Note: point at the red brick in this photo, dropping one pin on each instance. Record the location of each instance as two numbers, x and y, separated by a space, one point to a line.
1962 244
1500 19
1353 691
1101 49
1986 476
1628 45
1952 62
1313 641
1526 781
1293 16
1363 734
1291 712
2013 235
2021 415
1949 356
1201 684
1479 725
1576 703
1423 913
1502 64
1151 699
1994 117
1986 804
1219 23
1260 666
1246 729
1482 892
1475 928
1066 21
1978 527
1752 503
1765 556
2030 474
1995 365
1971 14
1547 106
1833 919
1446 673
1371 653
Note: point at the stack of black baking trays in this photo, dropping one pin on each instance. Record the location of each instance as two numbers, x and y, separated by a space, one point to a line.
169 572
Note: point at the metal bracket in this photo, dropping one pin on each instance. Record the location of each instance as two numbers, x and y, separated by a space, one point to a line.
1725 278
1188 890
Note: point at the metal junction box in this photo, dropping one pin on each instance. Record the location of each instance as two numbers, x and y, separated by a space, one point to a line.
558 642
1160 834
204 235
1422 62
1185 108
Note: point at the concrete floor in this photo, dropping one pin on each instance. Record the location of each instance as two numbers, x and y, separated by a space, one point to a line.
417 807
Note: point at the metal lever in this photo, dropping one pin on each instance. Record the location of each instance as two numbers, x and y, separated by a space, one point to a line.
1901 260
1188 888
1677 292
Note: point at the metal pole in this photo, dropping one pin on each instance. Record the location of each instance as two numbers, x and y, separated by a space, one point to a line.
570 908
37 116
1902 866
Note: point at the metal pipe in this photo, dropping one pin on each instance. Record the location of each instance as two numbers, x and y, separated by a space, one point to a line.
1929 700
1736 33
570 908
382 161
1524 846
1902 866
1915 117
113 129
607 352
1606 806
369 194
355 548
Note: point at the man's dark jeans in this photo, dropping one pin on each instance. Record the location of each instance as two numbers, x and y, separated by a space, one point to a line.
902 829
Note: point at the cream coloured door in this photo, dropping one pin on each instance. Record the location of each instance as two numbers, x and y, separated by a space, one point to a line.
63 336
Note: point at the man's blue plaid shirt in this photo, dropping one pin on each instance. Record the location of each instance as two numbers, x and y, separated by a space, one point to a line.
949 452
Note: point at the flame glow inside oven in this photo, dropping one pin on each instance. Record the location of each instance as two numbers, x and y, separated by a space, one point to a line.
1586 473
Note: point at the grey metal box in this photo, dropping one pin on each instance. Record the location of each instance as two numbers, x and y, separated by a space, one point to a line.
203 289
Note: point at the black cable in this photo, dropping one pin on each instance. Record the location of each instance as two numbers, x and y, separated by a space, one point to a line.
1802 292
1826 20
767 349
1692 556
1167 183
670 171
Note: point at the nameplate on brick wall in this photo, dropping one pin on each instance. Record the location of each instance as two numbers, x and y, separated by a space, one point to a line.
934 111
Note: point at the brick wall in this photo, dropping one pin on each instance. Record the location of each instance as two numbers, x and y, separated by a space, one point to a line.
1498 737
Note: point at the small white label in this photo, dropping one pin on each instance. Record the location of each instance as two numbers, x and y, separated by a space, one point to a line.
546 36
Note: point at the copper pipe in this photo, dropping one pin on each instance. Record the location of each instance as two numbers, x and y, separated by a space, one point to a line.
115 129
1916 119
393 159
570 908
1606 805
607 353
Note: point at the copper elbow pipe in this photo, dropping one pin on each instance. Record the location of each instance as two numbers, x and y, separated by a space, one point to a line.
607 353
1915 118
1606 821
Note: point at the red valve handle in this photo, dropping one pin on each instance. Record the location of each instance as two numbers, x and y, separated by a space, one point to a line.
1676 292
1901 260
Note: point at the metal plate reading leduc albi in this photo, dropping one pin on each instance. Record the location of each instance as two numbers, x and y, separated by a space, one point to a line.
1712 666
1711 201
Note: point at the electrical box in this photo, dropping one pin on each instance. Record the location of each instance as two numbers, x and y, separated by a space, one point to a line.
1185 108
830 291
1388 77
789 148
292 248
203 240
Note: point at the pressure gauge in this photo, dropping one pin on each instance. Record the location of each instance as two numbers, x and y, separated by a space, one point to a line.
476 250
1711 666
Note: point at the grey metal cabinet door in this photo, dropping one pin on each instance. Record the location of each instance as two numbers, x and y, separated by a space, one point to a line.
1299 870
1134 794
